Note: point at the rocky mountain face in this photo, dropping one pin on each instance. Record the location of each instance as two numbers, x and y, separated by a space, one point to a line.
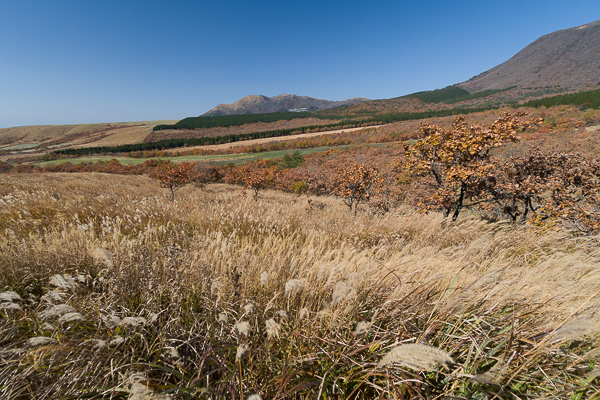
285 102
568 58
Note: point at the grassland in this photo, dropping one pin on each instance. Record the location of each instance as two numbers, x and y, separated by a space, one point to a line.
22 146
77 135
214 159
109 290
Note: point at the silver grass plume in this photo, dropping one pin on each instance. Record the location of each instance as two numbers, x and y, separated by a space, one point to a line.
419 357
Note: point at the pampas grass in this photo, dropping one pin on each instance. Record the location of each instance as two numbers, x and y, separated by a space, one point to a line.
333 297
419 357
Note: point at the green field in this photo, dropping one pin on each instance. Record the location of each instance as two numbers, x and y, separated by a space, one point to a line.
214 159
21 146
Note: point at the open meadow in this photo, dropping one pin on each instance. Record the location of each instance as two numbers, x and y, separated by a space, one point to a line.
111 290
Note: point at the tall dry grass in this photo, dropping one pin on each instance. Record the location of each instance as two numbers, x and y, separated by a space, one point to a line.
120 293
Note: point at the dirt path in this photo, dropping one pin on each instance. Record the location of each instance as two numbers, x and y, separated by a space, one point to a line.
244 143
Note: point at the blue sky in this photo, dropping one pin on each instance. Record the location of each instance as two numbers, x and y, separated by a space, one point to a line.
79 61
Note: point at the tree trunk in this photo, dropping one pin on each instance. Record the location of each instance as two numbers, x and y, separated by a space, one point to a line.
526 212
459 203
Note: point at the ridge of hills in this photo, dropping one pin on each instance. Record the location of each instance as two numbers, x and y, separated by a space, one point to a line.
259 104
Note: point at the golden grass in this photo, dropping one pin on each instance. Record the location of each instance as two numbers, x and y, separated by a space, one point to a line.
115 137
232 297
101 134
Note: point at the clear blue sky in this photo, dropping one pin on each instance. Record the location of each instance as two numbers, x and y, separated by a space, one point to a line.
76 61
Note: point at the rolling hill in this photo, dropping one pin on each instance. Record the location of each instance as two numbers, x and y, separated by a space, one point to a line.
32 139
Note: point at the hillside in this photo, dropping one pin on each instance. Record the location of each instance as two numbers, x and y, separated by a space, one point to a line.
566 60
569 59
36 138
285 102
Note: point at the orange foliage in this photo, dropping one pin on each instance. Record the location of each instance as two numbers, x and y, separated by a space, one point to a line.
253 175
460 161
173 177
357 183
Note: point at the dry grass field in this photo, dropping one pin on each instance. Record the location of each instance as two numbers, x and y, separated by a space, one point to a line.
109 290
80 135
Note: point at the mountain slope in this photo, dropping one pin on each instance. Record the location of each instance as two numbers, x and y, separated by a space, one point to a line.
285 102
568 58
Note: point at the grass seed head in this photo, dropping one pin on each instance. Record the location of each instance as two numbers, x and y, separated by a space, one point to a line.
418 357
241 349
272 328
9 306
294 285
361 327
264 278
71 317
574 330
223 317
243 327
342 292
132 321
56 311
63 281
10 297
103 256
304 312
116 341
40 341
53 297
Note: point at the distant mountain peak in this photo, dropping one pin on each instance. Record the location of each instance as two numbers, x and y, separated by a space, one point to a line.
259 104
568 58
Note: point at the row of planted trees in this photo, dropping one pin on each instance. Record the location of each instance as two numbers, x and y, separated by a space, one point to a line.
454 169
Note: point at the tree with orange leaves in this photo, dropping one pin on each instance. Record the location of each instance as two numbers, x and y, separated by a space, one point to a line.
572 192
174 177
460 161
356 184
254 175
203 174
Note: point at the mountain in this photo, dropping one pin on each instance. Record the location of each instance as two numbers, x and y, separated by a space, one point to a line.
285 102
569 59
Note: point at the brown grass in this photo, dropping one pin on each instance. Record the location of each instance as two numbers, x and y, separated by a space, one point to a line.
80 135
497 299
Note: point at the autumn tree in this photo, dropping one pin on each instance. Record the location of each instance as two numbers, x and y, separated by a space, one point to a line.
573 192
254 175
356 183
203 174
521 185
174 177
460 162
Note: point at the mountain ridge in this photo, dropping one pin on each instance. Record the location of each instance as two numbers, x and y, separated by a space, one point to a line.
259 104
567 58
